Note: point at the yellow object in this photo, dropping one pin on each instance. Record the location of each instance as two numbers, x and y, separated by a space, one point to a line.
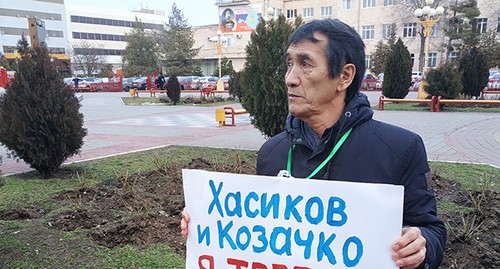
220 116
422 94
132 92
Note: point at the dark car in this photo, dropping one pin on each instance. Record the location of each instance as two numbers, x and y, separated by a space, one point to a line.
127 84
140 83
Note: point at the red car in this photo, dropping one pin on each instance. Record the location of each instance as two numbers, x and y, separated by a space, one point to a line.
371 83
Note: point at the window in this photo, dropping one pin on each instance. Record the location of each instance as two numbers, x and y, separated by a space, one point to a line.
432 60
410 29
388 2
368 3
368 32
387 30
84 36
308 12
412 56
482 24
436 29
368 61
291 13
326 11
347 4
76 35
454 56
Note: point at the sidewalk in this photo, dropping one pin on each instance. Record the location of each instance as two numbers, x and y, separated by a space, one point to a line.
116 129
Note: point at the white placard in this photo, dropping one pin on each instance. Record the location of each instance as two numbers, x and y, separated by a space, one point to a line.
258 222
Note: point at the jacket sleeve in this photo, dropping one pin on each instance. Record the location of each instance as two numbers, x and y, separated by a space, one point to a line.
420 203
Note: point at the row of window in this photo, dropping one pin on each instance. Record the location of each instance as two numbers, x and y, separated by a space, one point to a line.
97 51
328 10
119 23
24 31
96 36
52 50
28 14
432 59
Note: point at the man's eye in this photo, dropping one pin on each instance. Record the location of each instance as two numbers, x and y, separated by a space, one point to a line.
289 64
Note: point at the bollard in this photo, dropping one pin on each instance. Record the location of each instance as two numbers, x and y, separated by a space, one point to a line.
220 116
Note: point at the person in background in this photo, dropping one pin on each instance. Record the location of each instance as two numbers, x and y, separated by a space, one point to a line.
160 81
330 135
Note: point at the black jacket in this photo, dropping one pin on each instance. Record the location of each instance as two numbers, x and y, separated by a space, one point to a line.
374 152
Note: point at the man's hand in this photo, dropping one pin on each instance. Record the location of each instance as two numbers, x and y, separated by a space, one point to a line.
409 250
184 223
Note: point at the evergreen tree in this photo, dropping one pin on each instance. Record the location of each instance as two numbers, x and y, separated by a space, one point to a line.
235 84
474 72
39 118
490 47
177 43
4 62
173 89
444 81
461 35
226 68
397 72
263 88
379 57
140 54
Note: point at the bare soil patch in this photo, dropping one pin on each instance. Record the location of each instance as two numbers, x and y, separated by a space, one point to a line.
142 209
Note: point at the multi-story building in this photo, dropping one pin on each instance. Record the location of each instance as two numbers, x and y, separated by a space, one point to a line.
374 20
14 23
102 32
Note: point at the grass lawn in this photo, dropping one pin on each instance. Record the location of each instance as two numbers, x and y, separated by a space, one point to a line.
122 213
208 102
447 108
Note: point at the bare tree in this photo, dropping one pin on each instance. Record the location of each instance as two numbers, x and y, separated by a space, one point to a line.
87 57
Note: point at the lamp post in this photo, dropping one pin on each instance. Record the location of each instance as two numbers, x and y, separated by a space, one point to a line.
428 17
220 83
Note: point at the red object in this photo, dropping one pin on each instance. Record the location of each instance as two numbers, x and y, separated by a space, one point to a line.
4 79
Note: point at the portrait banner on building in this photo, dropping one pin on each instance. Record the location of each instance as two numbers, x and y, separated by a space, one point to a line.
239 19
247 221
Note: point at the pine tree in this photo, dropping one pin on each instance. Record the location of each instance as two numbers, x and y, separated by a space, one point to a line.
177 43
379 57
174 89
235 84
474 72
140 54
226 68
4 62
263 88
40 120
397 72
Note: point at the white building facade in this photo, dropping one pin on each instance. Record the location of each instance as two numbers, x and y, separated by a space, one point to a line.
14 23
374 20
104 30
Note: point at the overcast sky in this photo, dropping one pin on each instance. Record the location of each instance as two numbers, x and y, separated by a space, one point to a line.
197 12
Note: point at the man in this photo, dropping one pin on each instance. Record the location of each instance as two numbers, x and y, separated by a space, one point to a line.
330 135
160 81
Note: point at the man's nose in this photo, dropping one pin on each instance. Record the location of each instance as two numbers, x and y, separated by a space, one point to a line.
291 78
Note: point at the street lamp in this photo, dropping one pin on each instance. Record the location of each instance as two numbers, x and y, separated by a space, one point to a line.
220 83
428 17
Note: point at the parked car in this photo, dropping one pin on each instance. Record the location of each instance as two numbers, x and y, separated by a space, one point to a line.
187 82
140 83
127 84
416 76
208 81
371 83
494 82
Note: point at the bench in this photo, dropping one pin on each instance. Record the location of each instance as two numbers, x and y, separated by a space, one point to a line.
229 113
382 100
441 101
152 92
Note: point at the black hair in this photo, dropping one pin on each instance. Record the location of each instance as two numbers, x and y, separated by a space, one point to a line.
344 47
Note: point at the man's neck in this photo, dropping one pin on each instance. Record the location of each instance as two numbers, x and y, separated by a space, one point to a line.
326 119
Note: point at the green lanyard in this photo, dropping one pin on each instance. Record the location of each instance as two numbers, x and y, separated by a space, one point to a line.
334 150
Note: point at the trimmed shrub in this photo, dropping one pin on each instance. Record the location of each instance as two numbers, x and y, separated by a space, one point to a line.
397 72
39 118
235 84
444 81
474 72
173 89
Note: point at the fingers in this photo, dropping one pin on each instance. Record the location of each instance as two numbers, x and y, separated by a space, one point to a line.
184 223
409 250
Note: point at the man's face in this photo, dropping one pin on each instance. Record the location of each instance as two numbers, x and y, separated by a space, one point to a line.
311 91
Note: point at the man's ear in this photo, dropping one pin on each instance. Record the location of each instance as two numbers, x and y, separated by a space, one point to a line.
346 76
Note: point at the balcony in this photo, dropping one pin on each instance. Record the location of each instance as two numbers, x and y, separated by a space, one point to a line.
223 3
